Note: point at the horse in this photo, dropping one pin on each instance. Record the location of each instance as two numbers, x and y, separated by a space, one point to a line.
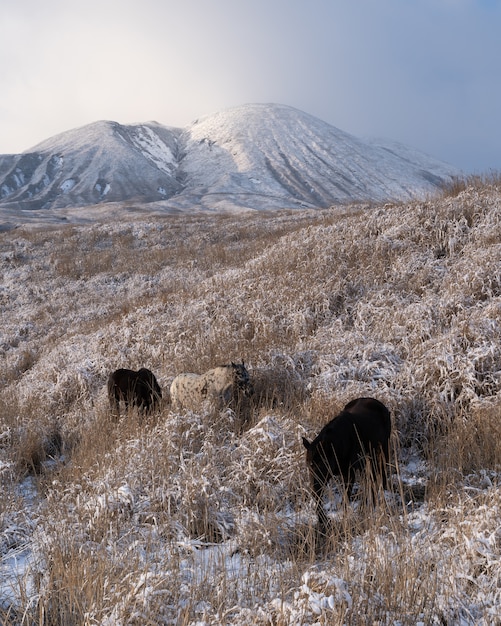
222 386
355 442
139 389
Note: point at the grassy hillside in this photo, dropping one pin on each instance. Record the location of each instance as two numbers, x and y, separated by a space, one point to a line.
198 518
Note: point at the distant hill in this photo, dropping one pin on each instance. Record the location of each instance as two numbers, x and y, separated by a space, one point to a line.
258 156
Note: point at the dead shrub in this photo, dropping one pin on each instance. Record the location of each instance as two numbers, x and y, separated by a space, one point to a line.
471 441
34 448
474 181
277 388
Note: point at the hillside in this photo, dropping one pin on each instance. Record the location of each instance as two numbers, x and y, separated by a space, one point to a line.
251 157
194 517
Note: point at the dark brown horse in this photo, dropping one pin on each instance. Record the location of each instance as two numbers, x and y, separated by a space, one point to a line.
358 435
139 389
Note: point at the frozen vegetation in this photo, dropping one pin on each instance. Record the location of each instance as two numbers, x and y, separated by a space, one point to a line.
198 518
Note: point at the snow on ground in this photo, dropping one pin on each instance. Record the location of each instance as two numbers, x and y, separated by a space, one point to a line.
192 518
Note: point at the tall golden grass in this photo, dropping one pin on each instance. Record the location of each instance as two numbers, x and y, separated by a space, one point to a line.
194 518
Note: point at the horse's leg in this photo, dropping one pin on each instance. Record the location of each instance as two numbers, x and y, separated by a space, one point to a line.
384 459
380 473
318 488
144 391
128 399
227 395
143 399
323 520
143 396
321 531
115 401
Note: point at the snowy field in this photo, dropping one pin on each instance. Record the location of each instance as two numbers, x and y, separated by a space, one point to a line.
198 518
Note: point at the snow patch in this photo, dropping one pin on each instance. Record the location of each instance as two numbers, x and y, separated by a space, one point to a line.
103 188
68 185
154 148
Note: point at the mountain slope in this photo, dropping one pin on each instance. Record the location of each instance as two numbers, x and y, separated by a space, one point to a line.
100 162
295 159
253 156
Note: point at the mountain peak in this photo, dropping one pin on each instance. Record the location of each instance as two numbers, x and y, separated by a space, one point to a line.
257 156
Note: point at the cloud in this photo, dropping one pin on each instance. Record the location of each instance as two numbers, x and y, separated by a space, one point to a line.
423 73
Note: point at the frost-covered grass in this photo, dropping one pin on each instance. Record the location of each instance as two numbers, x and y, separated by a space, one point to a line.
195 518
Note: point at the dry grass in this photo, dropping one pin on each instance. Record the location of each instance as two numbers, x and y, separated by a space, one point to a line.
197 518
477 181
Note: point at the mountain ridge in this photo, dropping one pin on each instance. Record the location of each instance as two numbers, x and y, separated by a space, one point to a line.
257 156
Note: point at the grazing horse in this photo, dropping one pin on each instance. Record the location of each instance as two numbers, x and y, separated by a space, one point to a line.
221 386
360 433
139 389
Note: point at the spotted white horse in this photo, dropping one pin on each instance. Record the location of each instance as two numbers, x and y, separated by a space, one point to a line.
221 386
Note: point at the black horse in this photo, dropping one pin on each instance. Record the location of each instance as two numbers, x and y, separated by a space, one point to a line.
139 389
360 433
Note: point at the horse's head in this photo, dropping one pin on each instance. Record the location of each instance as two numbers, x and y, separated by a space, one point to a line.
241 379
317 463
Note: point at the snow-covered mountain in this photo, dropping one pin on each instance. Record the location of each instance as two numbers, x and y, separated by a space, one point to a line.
257 156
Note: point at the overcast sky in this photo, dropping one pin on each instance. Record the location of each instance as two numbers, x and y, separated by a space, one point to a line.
426 73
